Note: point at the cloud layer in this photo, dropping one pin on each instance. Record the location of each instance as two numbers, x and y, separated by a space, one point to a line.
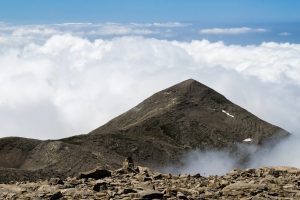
60 82
285 153
232 31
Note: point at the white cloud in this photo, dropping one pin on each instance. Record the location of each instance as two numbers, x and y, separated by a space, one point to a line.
285 34
170 24
34 30
283 154
221 162
204 162
232 31
119 29
75 24
2 39
63 84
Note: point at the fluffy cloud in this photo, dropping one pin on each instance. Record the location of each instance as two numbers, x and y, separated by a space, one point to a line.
60 83
232 31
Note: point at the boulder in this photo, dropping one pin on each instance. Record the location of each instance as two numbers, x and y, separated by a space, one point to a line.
56 196
243 187
97 173
128 165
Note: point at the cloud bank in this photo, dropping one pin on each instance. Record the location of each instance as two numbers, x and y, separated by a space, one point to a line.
285 153
204 162
60 82
232 31
91 30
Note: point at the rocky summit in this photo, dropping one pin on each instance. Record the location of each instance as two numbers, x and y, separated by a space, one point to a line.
141 183
155 133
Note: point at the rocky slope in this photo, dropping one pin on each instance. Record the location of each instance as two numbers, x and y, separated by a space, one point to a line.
158 131
141 183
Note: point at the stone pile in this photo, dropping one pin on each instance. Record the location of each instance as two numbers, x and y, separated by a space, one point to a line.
132 182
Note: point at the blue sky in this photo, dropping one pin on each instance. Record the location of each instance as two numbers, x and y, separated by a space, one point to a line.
205 11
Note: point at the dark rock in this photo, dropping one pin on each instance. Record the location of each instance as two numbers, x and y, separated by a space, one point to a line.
56 196
97 173
101 186
275 173
157 176
129 190
150 194
197 175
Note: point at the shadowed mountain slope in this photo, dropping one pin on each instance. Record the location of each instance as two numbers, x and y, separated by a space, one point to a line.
156 132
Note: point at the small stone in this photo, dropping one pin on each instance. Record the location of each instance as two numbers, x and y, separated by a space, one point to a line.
274 172
150 194
100 186
157 176
197 175
129 190
170 192
56 181
169 176
181 196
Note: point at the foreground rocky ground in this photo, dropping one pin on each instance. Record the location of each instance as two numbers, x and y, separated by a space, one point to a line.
141 183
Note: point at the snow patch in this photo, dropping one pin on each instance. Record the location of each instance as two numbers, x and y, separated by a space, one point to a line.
227 113
247 140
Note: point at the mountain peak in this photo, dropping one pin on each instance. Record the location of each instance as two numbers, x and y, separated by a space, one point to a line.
186 116
193 102
189 84
185 95
192 91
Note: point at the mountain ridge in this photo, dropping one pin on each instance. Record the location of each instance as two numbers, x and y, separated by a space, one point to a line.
156 132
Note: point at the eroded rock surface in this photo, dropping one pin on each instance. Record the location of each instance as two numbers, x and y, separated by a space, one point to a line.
142 183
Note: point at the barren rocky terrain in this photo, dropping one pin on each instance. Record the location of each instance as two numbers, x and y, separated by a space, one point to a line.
132 182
